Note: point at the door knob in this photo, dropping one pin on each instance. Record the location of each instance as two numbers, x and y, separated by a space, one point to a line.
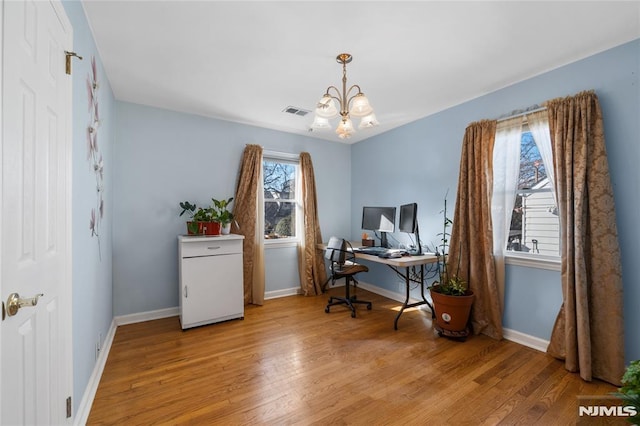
15 302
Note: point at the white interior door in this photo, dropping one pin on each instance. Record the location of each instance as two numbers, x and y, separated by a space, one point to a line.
35 342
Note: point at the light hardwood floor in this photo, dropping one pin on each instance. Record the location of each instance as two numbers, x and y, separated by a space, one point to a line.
288 362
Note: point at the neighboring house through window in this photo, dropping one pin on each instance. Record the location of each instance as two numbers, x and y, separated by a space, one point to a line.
535 226
281 199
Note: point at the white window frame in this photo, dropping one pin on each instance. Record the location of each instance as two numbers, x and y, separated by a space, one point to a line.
540 261
532 260
283 157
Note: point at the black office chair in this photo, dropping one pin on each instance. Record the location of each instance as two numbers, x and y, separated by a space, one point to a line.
340 255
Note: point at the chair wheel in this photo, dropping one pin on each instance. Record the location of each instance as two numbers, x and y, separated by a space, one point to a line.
369 307
353 314
326 309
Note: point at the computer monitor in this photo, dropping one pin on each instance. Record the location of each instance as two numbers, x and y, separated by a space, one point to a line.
381 219
409 223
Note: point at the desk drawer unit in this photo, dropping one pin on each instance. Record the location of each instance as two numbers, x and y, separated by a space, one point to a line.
211 279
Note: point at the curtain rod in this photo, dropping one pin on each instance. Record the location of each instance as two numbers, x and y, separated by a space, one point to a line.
520 113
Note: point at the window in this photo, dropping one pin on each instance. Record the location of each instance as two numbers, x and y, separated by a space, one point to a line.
535 225
281 201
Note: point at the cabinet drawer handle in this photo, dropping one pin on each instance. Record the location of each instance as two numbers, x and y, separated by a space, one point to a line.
213 247
185 292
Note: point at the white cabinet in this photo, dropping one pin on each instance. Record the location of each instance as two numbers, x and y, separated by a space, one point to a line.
211 283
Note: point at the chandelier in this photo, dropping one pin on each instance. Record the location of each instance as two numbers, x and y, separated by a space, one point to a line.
351 103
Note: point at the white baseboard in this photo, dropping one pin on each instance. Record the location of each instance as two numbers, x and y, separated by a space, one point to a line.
84 408
282 293
147 316
525 339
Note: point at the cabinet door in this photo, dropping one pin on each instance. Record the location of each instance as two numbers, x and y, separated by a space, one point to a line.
211 289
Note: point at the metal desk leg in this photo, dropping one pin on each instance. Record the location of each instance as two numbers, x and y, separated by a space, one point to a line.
406 300
406 303
433 314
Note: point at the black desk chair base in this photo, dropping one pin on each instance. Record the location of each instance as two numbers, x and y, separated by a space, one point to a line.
348 301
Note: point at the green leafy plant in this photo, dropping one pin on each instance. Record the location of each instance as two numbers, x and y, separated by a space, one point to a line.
204 215
452 286
187 207
190 209
630 390
447 283
222 213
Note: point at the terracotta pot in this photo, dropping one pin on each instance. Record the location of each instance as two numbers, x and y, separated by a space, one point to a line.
452 312
211 228
191 231
204 228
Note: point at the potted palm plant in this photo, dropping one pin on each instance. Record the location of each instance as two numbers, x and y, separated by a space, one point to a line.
452 299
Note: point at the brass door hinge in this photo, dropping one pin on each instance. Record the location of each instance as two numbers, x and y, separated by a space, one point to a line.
69 55
68 407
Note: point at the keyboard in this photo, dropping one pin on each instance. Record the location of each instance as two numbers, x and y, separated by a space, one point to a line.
373 250
381 251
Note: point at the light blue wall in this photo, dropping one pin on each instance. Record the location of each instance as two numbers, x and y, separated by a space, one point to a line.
92 279
420 161
533 298
165 157
281 269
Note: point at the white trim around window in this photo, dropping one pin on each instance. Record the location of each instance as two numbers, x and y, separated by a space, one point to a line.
281 243
551 263
283 156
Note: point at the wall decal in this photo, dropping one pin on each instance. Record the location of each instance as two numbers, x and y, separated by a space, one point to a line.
93 153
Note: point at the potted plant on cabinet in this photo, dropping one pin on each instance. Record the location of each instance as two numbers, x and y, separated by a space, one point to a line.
452 299
203 220
192 225
222 214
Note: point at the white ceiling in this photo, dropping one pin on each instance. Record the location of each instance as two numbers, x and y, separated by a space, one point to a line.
247 61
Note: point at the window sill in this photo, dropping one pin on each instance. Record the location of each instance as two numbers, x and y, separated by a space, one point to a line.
550 263
269 244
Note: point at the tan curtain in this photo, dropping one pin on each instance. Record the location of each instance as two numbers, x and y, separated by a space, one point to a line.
311 260
588 333
471 248
246 213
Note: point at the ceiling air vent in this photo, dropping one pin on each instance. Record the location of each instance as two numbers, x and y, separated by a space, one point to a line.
296 111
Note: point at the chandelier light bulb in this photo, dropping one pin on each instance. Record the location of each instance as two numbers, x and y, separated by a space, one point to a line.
368 121
360 106
320 123
326 107
345 128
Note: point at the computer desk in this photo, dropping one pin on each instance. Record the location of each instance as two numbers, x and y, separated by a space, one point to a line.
397 264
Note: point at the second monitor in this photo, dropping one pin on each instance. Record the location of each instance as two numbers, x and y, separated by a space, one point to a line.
409 224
